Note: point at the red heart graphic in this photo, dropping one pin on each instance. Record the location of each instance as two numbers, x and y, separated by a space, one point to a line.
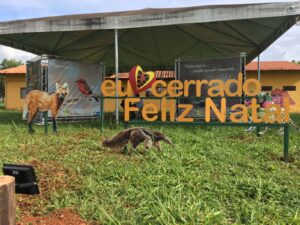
139 80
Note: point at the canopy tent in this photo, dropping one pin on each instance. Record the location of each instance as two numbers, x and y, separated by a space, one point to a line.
154 37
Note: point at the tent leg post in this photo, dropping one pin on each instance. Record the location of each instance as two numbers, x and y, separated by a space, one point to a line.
46 122
258 68
257 131
102 112
117 74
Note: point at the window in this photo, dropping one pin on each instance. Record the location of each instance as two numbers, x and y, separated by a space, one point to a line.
289 88
266 88
23 92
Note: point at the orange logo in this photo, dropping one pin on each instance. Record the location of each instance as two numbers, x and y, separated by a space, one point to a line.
139 80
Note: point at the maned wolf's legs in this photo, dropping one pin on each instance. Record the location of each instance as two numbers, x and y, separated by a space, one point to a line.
31 115
54 125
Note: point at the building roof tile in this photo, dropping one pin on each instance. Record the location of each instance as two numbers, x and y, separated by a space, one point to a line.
252 66
15 70
273 66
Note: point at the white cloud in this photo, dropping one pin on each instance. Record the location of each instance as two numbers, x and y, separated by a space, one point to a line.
11 53
287 47
17 9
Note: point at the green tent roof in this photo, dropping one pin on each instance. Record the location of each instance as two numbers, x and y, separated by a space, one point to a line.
155 37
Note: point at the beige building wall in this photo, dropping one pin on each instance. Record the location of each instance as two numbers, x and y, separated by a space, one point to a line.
278 79
13 85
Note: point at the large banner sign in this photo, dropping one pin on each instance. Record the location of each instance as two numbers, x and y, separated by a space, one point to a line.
84 82
221 69
210 89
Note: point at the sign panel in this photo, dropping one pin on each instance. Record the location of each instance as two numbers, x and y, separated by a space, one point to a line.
84 82
208 69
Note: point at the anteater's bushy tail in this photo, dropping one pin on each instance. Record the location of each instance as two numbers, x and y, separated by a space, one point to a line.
25 111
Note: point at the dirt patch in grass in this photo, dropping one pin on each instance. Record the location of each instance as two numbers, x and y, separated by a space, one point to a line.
245 137
52 177
274 157
63 217
80 136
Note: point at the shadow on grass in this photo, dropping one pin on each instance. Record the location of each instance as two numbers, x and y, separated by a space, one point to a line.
15 117
7 116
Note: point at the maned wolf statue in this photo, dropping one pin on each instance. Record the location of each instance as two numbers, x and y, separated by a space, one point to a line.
135 136
40 101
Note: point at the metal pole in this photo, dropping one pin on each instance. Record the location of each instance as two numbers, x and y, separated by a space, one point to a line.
258 67
244 66
258 78
46 121
102 112
257 131
286 143
177 77
117 74
103 72
243 70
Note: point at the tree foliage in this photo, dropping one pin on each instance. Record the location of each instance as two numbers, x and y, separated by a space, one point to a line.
9 63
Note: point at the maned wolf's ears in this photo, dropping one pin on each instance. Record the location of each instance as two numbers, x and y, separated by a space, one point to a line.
66 86
57 86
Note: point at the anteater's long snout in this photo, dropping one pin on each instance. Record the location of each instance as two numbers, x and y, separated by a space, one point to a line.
168 141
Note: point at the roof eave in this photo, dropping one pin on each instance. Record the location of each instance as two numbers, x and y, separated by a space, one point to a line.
159 17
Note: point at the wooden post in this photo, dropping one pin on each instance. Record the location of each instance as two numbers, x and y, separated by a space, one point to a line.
7 201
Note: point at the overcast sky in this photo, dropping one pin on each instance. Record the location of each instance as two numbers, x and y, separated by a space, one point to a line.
287 47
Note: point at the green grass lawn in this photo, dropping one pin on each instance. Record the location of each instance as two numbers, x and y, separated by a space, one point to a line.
214 175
